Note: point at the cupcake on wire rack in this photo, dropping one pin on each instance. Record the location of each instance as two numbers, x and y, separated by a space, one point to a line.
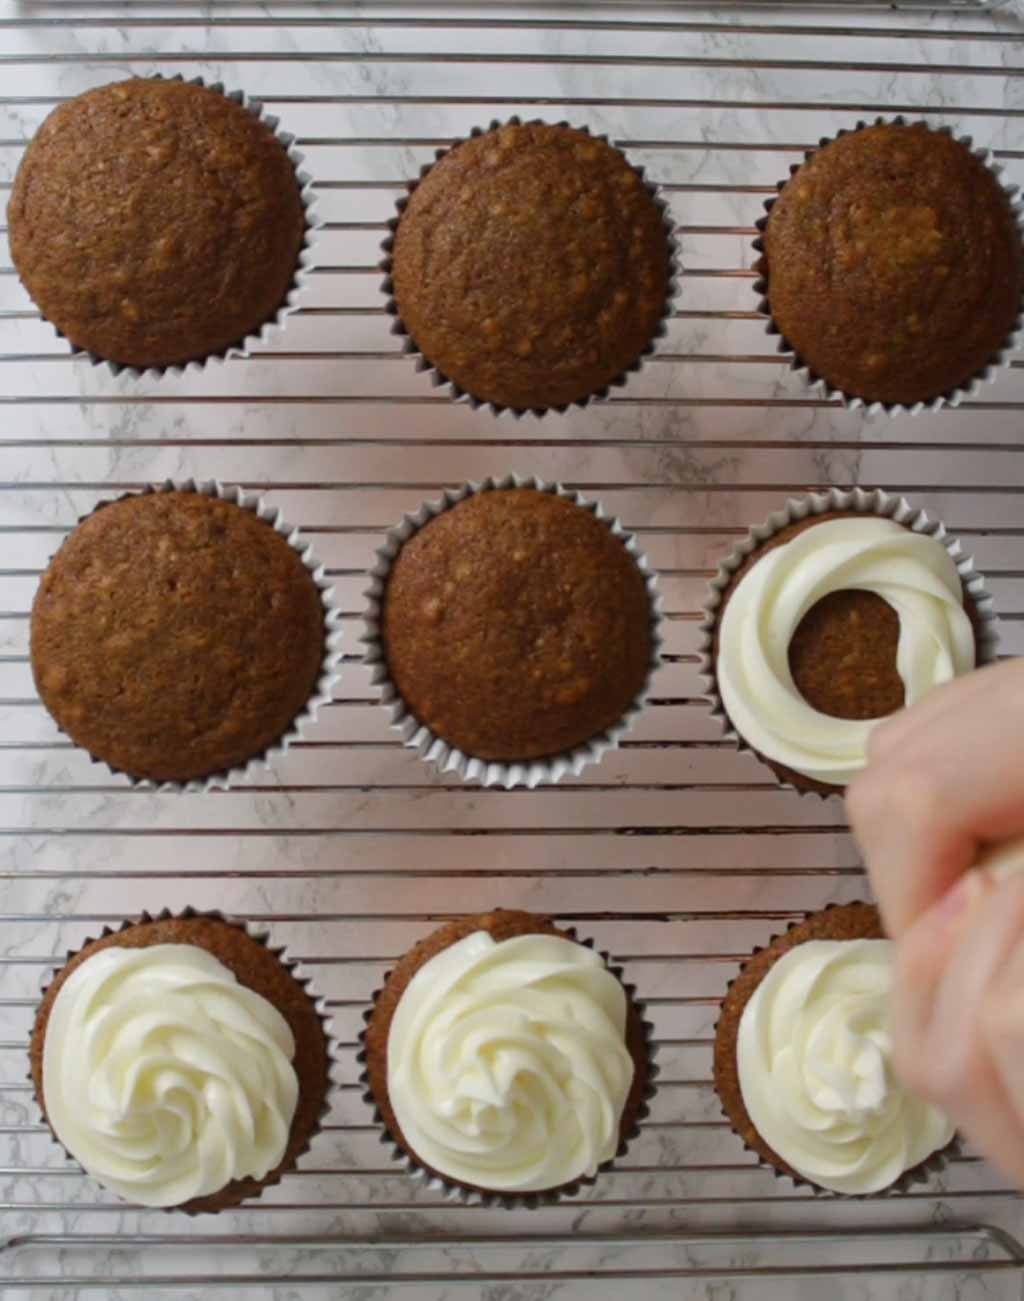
840 610
183 634
182 1061
531 267
513 631
803 1061
892 265
507 1061
157 223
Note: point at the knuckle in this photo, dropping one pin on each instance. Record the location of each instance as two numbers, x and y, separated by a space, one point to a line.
916 1070
914 962
881 799
1000 1016
914 794
864 799
995 1018
943 1077
878 739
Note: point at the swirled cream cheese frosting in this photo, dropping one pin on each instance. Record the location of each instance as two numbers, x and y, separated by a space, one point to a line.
913 572
814 1058
166 1078
507 1062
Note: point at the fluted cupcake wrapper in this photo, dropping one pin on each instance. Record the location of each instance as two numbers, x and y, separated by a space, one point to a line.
914 1177
866 502
329 667
265 331
954 396
452 1189
433 748
261 934
437 377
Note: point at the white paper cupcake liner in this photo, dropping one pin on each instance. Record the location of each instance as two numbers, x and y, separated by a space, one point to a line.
453 390
866 502
433 748
454 1191
265 332
954 396
329 669
261 934
917 1175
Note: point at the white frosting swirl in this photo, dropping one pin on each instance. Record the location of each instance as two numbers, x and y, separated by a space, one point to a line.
814 1059
507 1063
164 1077
912 571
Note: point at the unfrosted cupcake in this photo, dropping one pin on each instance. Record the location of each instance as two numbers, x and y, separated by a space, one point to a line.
840 611
181 1062
893 264
506 1059
517 626
156 222
531 266
178 634
803 1059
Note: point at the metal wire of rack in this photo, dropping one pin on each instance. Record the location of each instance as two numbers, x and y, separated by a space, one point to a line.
677 854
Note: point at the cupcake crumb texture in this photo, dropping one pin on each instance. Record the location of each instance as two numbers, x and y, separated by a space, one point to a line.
894 264
155 222
516 625
175 635
531 266
843 656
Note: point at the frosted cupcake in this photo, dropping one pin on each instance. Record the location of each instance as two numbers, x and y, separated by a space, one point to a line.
181 1062
803 1059
506 1060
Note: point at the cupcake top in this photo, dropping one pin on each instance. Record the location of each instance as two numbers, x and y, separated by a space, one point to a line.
516 625
180 1063
894 264
506 1057
803 1059
531 265
834 622
155 222
176 635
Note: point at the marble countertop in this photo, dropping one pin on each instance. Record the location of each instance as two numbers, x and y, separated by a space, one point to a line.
677 853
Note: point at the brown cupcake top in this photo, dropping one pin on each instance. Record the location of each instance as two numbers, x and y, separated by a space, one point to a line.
516 625
155 222
894 264
531 266
843 653
259 969
175 635
501 924
852 921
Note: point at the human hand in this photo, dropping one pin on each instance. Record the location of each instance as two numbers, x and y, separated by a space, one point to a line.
944 781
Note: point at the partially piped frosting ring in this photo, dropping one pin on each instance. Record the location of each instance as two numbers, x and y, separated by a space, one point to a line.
910 571
862 547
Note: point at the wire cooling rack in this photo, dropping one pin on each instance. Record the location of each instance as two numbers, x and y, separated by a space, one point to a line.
677 854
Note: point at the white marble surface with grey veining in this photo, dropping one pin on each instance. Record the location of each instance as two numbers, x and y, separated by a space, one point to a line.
678 854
